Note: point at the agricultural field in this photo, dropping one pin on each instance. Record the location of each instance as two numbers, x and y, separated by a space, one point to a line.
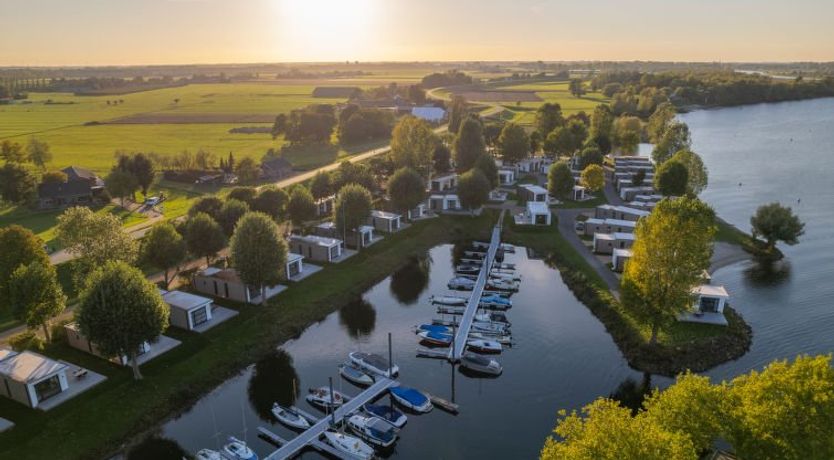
551 92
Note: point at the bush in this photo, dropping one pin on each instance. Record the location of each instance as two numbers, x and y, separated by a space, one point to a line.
26 340
57 331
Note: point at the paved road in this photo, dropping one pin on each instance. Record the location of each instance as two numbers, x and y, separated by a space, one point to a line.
567 219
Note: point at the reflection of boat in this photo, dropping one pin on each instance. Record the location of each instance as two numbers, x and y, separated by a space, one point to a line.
349 445
448 300
411 398
236 449
461 283
208 454
387 413
484 346
373 430
321 397
290 417
480 364
355 375
468 269
374 363
435 338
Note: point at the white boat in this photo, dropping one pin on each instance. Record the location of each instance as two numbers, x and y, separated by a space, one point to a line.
355 375
374 363
502 339
480 364
461 283
321 397
373 429
442 339
492 317
350 445
484 346
411 398
504 265
289 416
501 285
471 261
468 269
509 277
208 454
236 449
448 300
490 328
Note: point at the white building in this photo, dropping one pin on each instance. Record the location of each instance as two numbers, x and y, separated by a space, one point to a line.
506 176
594 225
607 211
384 221
578 192
619 257
445 183
536 213
532 192
605 243
440 202
30 378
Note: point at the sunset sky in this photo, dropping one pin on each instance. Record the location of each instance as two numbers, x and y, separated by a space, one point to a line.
93 32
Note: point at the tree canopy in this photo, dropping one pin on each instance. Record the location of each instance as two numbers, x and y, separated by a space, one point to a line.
353 207
441 159
473 189
271 201
244 194
207 204
230 214
576 88
593 177
659 121
38 153
17 184
469 144
36 295
486 164
671 179
696 171
590 155
674 139
258 251
95 238
20 248
406 189
775 222
627 131
204 237
164 248
513 143
457 113
548 118
412 144
320 186
301 208
560 180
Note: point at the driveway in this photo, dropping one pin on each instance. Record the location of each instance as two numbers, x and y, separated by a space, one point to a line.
567 219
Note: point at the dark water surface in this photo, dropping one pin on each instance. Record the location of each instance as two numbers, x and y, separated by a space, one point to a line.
563 357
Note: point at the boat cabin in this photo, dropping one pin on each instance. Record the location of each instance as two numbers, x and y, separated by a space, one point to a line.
30 378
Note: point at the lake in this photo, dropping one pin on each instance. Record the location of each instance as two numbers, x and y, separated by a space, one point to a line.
563 357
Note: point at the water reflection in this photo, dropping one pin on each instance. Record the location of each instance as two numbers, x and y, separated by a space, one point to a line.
631 393
358 318
157 448
410 281
763 273
273 380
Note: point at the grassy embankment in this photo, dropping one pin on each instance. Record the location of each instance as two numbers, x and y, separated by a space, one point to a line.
98 422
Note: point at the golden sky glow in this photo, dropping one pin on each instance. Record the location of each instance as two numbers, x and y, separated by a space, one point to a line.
93 32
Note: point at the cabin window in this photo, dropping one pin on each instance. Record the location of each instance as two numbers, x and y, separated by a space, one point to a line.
48 388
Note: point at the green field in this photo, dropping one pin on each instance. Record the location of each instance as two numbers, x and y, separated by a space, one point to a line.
552 92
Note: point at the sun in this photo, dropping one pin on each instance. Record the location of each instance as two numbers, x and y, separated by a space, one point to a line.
326 29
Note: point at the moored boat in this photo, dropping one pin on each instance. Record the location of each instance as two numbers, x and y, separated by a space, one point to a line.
290 417
448 300
208 454
492 317
355 375
374 363
236 449
490 328
468 269
480 364
484 346
387 413
411 398
373 429
496 301
461 283
350 445
435 338
321 397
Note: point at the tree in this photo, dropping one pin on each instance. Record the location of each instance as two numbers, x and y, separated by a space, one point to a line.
473 189
469 144
17 184
412 144
353 207
353 173
671 179
627 132
492 132
312 124
121 184
638 177
230 213
119 310
441 159
566 140
258 251
271 201
20 248
140 166
244 194
54 177
659 121
775 222
279 126
95 238
576 88
247 171
593 178
36 295
548 118
301 207
697 176
457 113
208 204
602 126
560 180
12 152
673 246
513 143
406 189
37 152
164 248
320 185
486 164
590 155
674 139
204 237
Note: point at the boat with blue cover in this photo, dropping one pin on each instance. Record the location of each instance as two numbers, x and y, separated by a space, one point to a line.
387 413
411 398
373 429
435 338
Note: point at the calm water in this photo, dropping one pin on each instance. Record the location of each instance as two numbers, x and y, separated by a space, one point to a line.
563 357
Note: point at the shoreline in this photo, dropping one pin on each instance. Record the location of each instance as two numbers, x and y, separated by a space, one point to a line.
726 254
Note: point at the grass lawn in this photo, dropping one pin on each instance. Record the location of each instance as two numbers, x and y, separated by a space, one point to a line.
96 423
592 203
552 92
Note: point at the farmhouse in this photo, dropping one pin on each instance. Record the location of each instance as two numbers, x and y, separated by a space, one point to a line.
276 168
30 378
530 192
619 257
605 243
82 188
429 113
384 221
145 353
315 247
226 283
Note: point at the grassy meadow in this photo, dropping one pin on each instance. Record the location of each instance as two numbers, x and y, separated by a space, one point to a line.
551 92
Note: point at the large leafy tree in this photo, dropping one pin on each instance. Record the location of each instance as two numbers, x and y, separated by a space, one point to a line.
119 310
139 166
473 189
247 171
593 178
659 121
406 189
208 204
469 144
672 249
204 237
12 152
244 194
352 173
674 139
301 208
38 153
17 184
441 159
627 132
560 180
95 238
320 185
457 113
353 207
36 295
567 139
121 184
672 178
272 201
164 248
258 251
486 164
576 88
20 247
775 222
513 143
548 118
230 213
412 144
602 126
590 155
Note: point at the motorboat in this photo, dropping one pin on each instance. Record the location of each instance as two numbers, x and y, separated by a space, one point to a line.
496 300
501 285
448 300
490 328
387 413
508 248
480 364
323 398
484 346
472 261
350 445
355 375
492 317
373 430
236 449
208 454
503 339
434 328
411 398
509 277
468 269
475 254
461 283
374 364
504 265
491 290
435 338
289 416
